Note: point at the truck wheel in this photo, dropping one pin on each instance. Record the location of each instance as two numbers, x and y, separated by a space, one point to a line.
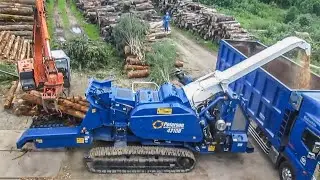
286 171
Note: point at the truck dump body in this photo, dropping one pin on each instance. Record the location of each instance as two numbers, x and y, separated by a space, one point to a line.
266 91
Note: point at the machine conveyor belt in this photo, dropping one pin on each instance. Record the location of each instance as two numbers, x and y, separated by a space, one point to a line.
139 159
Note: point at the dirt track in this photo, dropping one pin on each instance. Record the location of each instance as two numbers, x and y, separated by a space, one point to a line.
198 60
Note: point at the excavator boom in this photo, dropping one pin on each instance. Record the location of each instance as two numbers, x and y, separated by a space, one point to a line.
41 71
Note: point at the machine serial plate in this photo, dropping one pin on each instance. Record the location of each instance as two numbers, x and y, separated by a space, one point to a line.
80 140
211 148
164 111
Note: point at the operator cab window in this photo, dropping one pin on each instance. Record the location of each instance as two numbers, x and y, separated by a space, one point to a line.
309 139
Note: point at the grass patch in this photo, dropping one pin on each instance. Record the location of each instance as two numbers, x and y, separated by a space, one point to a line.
212 46
50 16
91 30
4 78
63 12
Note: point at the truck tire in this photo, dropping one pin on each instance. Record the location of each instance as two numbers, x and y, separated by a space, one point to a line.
286 172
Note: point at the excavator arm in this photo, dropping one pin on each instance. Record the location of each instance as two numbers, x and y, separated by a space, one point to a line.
205 87
41 71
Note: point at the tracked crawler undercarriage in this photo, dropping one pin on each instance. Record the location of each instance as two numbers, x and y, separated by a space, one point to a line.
139 159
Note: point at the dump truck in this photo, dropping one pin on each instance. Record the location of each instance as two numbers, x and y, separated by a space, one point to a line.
284 118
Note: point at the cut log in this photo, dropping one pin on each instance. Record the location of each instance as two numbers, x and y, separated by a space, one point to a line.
16 23
135 67
10 95
178 64
16 11
84 103
133 60
7 49
35 98
4 41
16 28
67 103
28 2
72 112
138 73
15 48
22 33
127 50
24 49
144 6
28 50
15 18
157 35
20 46
2 35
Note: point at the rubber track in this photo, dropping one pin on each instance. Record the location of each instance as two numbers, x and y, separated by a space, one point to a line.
138 154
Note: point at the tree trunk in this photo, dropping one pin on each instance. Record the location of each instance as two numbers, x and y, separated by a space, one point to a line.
24 50
10 95
28 2
72 112
178 64
4 41
34 98
2 34
144 7
16 27
22 33
67 103
16 23
17 5
7 49
15 48
16 11
19 49
135 67
133 60
15 18
138 74
28 49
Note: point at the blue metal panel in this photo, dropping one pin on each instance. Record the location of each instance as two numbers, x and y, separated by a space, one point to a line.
264 97
55 137
181 124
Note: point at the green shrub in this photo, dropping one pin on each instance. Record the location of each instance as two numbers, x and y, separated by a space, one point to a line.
129 31
291 14
88 54
304 19
161 60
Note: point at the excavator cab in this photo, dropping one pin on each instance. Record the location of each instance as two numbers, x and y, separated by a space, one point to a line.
63 65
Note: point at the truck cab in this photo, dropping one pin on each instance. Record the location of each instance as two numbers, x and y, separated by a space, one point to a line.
63 66
303 144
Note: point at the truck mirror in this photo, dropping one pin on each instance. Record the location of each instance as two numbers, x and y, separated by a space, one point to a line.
316 148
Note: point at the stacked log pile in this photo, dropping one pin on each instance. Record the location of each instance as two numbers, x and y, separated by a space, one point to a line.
135 66
17 17
207 22
14 48
106 13
30 104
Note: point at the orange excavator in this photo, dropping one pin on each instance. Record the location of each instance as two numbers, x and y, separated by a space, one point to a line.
48 70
